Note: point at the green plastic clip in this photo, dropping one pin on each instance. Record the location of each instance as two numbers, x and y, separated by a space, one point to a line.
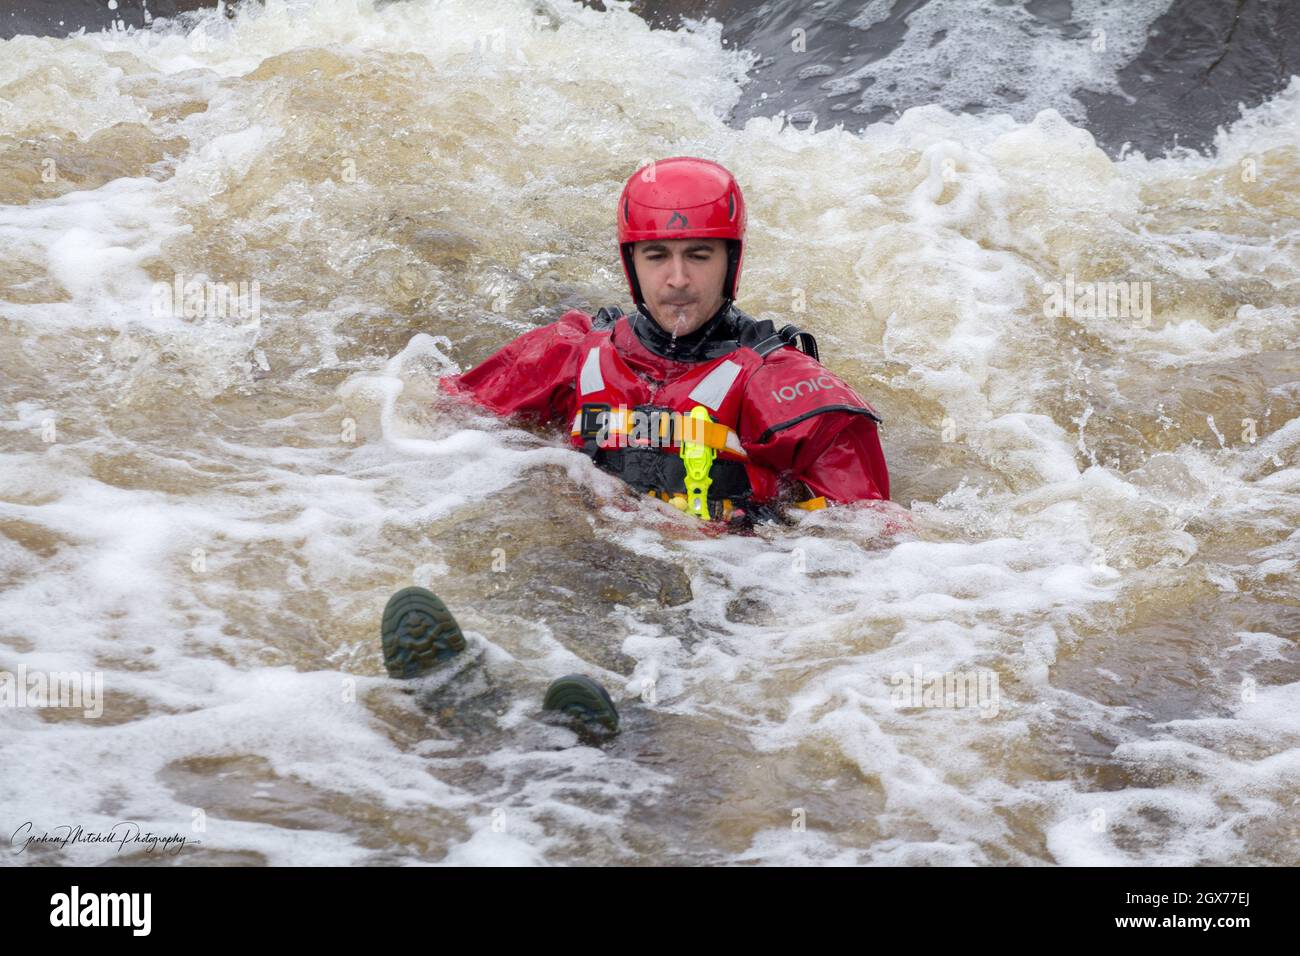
698 459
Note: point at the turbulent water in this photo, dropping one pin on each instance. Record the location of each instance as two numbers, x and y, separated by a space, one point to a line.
206 504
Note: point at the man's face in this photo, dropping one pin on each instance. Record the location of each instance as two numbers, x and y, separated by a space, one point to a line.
681 280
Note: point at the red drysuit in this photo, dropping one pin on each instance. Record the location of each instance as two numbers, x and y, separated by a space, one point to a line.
795 420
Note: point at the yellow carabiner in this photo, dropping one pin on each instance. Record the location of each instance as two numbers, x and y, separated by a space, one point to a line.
697 457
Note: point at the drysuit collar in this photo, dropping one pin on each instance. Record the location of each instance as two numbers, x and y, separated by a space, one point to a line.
714 338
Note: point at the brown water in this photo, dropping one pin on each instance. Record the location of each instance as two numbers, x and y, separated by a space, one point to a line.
210 511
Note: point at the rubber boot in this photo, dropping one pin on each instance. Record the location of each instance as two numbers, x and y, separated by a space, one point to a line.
418 633
583 698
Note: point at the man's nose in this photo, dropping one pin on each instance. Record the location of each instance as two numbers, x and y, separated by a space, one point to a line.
677 272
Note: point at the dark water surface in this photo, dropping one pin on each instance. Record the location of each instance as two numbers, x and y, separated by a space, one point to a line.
1195 64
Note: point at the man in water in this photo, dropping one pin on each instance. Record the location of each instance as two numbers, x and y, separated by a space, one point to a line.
689 399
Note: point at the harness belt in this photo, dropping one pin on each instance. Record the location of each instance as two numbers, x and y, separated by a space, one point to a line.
646 469
649 470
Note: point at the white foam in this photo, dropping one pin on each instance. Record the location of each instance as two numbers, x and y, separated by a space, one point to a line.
960 55
922 245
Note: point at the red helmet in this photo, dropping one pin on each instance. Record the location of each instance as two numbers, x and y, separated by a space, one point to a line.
682 198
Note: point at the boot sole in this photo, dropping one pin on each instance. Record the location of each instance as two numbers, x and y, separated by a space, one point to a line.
582 697
418 633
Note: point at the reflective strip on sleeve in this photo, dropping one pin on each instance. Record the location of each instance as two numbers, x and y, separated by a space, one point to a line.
591 380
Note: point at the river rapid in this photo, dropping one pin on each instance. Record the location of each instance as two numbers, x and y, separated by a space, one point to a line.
1086 360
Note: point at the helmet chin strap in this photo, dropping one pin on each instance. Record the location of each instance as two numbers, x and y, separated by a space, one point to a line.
626 252
733 260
